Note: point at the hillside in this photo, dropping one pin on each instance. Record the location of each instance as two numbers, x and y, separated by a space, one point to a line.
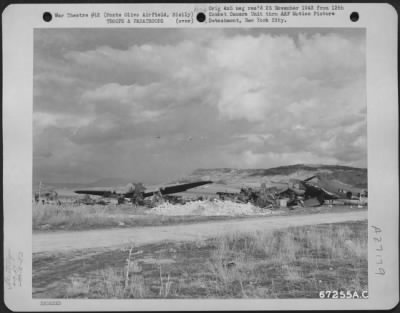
357 177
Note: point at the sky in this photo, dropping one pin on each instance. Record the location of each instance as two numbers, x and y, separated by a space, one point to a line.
153 105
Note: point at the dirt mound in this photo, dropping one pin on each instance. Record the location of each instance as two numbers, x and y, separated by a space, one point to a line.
209 208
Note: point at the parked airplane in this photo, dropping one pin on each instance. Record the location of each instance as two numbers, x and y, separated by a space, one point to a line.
323 188
137 192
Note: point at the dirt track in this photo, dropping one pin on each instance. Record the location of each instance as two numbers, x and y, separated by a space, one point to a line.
62 241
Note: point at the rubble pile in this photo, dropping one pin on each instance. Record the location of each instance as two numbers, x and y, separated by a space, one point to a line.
208 208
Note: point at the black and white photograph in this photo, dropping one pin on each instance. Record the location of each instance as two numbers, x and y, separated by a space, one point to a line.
221 156
218 163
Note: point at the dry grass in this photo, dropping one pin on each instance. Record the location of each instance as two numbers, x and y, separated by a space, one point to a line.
294 263
291 263
115 284
68 216
78 288
52 217
119 283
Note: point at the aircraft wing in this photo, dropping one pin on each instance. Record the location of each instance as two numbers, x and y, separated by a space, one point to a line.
331 195
309 178
178 188
164 190
102 193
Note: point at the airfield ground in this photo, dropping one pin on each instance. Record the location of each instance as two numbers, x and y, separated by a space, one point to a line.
113 237
294 262
248 252
207 251
65 217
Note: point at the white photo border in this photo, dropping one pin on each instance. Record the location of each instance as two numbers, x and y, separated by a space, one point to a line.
380 22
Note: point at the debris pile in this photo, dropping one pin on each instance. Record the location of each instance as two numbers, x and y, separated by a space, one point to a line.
209 208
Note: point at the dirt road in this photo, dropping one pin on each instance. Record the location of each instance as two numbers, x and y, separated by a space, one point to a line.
62 241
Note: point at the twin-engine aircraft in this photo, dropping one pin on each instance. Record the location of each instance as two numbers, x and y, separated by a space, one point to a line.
322 188
137 192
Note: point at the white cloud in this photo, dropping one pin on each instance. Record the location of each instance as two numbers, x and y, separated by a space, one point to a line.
257 100
267 73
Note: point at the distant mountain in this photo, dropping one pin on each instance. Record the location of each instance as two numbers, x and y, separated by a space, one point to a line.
104 182
354 176
54 185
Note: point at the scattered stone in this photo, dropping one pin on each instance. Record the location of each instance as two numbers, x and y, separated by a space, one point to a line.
209 208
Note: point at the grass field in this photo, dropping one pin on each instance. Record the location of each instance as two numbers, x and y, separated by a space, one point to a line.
52 217
297 262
